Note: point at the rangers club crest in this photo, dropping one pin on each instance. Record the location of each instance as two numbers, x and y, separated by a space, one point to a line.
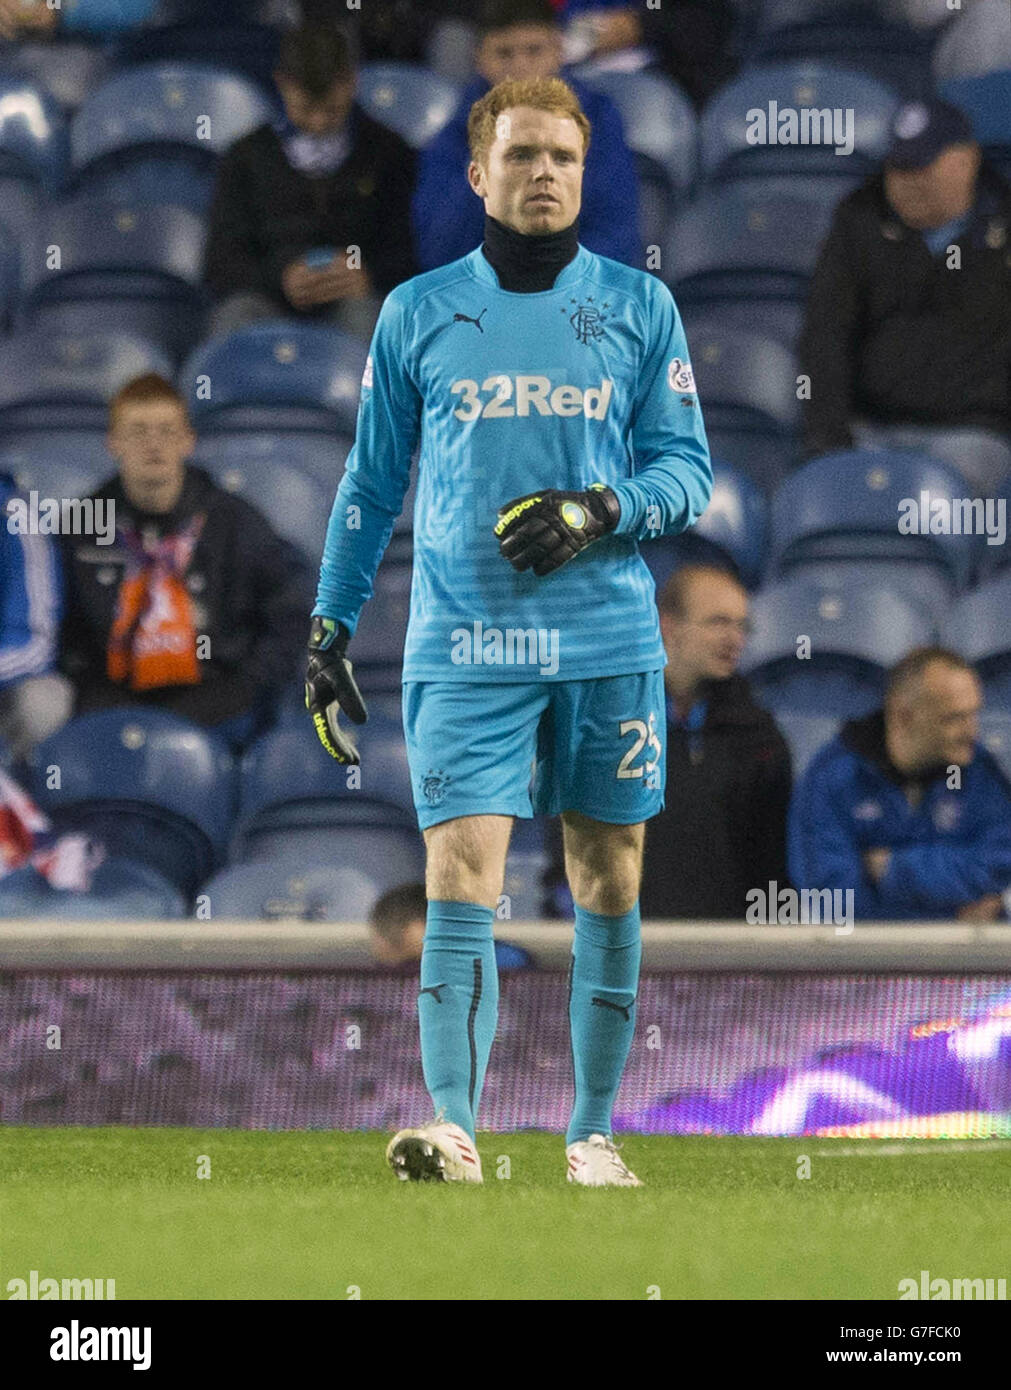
433 787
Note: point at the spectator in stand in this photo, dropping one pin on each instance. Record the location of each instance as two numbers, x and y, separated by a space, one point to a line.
898 330
522 39
687 39
34 699
196 607
311 213
905 806
722 831
37 19
397 933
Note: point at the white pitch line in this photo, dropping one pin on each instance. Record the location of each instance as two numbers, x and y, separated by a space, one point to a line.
872 1149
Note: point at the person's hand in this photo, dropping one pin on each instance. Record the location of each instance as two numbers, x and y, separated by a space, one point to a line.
614 30
339 281
876 862
330 688
298 283
989 908
19 17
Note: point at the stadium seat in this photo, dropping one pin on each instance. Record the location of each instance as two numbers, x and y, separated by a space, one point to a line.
981 457
748 385
151 787
288 782
979 627
732 246
121 890
986 100
733 527
855 635
135 268
67 70
806 735
411 100
276 377
847 33
726 152
976 42
378 649
390 855
34 148
781 319
54 382
296 505
60 466
10 275
995 734
225 36
316 456
844 510
659 124
290 889
154 133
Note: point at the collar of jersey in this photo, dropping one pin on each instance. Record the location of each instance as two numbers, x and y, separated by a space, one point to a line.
568 275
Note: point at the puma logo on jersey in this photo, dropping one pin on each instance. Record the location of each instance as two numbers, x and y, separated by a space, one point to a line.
465 318
504 397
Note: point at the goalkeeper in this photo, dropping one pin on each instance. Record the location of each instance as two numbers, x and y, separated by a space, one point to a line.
553 398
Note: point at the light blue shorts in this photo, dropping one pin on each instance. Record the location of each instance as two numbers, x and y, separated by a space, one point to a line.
537 748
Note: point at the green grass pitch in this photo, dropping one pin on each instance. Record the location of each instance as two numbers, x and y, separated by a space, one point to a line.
320 1216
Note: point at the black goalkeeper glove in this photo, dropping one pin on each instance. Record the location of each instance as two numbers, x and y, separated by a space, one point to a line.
544 529
330 687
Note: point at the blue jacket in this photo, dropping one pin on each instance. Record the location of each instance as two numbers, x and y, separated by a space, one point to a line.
449 217
954 848
31 598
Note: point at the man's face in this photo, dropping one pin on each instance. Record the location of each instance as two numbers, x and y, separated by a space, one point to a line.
522 51
937 193
151 443
316 115
707 640
533 179
939 719
406 947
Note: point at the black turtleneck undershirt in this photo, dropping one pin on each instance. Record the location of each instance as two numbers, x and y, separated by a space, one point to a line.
528 264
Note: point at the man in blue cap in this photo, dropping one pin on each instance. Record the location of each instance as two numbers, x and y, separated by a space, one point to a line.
908 323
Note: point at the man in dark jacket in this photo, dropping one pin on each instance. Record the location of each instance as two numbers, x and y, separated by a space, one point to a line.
905 807
311 214
196 608
522 39
722 831
909 313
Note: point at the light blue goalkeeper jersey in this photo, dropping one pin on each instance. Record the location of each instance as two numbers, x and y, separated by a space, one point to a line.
508 393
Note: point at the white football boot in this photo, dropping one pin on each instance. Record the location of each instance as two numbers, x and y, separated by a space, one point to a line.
437 1152
595 1162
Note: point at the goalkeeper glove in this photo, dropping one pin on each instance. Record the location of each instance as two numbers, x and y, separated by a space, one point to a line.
544 529
330 687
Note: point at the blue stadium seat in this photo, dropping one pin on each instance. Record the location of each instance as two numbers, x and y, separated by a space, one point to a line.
53 382
378 648
986 100
154 133
980 456
725 150
781 319
137 268
731 245
845 508
806 735
228 39
34 147
660 124
287 889
849 33
733 527
316 456
995 734
58 466
121 890
276 377
979 627
391 855
10 275
975 42
151 787
67 70
856 633
411 100
288 782
748 385
296 505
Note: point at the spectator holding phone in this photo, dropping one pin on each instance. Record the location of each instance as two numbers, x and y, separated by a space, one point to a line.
311 213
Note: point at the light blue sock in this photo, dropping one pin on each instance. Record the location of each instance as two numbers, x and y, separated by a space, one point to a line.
603 983
457 1007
